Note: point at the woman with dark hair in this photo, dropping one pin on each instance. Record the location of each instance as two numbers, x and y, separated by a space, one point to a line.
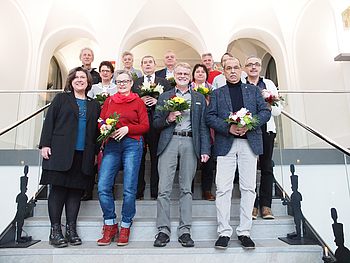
123 148
106 85
200 76
68 148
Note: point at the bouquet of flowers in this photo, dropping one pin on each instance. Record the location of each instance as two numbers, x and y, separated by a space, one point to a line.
107 126
175 104
203 90
151 89
101 98
134 76
171 81
271 98
243 118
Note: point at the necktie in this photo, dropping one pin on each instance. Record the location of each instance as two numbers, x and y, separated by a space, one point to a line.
148 78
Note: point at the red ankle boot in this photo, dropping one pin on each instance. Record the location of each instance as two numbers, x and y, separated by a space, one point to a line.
109 234
123 239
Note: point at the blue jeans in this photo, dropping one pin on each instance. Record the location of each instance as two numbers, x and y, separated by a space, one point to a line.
127 152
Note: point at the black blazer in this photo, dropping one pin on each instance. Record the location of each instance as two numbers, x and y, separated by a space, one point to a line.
60 132
161 73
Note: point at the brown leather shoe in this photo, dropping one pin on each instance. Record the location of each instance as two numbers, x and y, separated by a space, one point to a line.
266 213
255 213
207 195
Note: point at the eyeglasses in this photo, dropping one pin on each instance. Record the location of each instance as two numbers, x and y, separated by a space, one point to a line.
123 82
105 71
182 73
250 65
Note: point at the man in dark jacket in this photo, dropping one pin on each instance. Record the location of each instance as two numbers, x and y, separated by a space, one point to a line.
186 140
148 66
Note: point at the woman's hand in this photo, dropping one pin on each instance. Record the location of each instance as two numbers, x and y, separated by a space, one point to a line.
45 152
120 133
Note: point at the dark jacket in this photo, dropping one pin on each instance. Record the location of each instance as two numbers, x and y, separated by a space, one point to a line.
161 73
60 132
200 132
219 109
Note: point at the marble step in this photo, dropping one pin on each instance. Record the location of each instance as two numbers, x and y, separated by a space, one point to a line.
144 229
266 251
148 208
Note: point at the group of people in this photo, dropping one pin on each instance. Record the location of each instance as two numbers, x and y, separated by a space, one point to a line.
69 147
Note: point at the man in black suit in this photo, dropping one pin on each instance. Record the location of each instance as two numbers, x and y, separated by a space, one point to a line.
169 62
148 66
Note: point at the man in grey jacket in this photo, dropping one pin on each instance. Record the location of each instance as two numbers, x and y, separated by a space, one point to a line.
236 145
188 141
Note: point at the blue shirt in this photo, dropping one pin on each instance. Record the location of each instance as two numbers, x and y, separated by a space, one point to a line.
80 142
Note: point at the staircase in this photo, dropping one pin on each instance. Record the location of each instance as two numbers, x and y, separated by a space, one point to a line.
140 248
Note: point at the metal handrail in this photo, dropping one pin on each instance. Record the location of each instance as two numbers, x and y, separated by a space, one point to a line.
30 91
14 125
317 134
280 91
313 91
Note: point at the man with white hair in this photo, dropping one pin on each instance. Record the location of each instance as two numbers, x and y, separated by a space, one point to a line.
187 141
87 57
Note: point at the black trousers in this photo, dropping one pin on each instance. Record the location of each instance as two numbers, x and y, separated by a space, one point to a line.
60 197
264 198
151 141
207 174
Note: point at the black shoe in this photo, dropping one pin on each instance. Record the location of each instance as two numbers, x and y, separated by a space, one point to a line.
222 242
72 235
161 240
246 242
186 240
56 237
139 196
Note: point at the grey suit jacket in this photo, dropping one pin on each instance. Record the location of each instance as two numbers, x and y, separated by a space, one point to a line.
200 132
219 109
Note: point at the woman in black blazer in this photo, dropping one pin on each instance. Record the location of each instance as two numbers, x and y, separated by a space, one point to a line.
68 148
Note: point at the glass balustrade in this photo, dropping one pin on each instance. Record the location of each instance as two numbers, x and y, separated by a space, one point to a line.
323 169
322 172
16 105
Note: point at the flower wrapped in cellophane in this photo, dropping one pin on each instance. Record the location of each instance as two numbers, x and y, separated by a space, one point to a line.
151 89
203 90
271 98
175 104
243 118
101 98
107 126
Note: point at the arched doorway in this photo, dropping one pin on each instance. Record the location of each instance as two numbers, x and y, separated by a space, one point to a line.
157 47
54 80
245 47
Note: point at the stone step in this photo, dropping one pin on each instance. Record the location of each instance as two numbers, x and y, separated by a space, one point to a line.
144 229
148 208
266 251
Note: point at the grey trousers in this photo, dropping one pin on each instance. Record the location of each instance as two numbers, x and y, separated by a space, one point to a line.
181 147
241 154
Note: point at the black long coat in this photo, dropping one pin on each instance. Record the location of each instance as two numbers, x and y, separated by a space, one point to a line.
60 133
